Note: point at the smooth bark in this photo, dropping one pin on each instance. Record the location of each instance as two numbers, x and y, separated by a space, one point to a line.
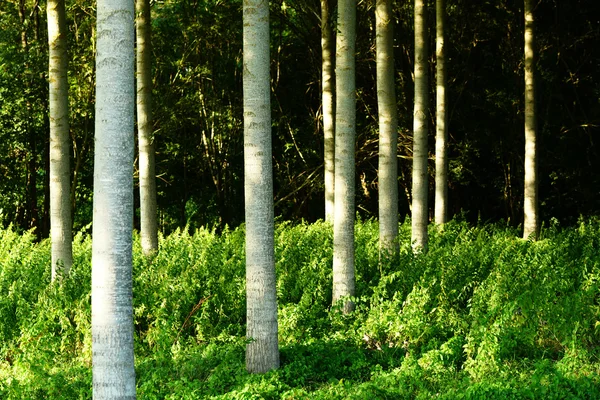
148 212
388 130
441 135
345 133
60 185
112 316
262 351
419 179
531 219
328 73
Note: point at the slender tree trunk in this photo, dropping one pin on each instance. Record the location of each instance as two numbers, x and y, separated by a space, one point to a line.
112 314
60 185
441 135
328 72
22 17
419 181
46 207
31 214
262 352
531 224
148 214
388 130
345 133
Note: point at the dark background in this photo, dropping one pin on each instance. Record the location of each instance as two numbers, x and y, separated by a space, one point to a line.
198 110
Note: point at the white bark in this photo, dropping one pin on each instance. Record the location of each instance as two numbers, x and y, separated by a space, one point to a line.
419 178
112 316
345 133
327 48
262 352
441 136
531 221
388 130
60 185
148 213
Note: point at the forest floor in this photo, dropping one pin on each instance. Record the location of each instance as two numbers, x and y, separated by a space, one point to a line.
481 315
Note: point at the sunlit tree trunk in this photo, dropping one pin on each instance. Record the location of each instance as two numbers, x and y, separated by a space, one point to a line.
531 222
262 351
148 213
60 185
345 133
441 135
388 130
112 317
419 178
327 51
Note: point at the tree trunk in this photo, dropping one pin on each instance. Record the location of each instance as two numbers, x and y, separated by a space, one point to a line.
112 316
262 351
419 181
531 222
31 214
328 72
345 133
441 136
22 17
388 131
60 185
148 214
45 217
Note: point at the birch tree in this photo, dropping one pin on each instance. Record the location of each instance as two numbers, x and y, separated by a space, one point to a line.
531 220
262 351
441 135
112 316
60 186
420 129
345 133
148 213
327 52
388 130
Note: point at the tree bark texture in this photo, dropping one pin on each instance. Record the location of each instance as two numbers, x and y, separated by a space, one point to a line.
328 73
388 130
345 133
262 351
112 316
148 212
441 135
60 185
420 129
531 217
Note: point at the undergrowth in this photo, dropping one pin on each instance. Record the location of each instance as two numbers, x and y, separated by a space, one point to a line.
481 315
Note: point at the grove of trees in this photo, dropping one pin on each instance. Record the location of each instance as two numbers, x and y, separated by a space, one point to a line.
253 112
197 110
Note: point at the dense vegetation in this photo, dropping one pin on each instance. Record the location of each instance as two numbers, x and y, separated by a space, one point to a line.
482 315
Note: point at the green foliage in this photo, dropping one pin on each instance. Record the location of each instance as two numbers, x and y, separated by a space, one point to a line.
192 290
482 315
23 115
